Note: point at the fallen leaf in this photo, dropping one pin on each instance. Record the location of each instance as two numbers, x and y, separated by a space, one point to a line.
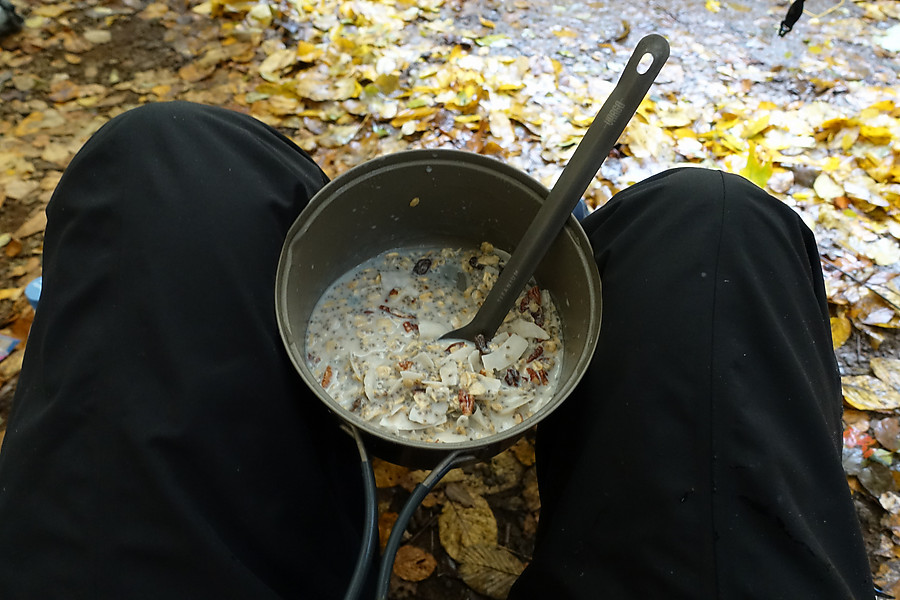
840 331
490 570
413 564
386 522
460 527
887 370
524 452
887 432
387 474
98 36
865 392
35 223
826 188
756 171
19 189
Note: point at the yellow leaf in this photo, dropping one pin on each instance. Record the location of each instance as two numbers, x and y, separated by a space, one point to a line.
11 293
840 331
565 32
876 135
864 392
755 128
713 5
486 23
887 370
756 171
307 52
832 163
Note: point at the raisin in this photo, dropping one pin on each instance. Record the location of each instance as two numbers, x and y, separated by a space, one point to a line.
422 266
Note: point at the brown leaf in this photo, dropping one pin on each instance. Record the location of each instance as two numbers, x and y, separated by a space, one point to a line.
524 452
74 43
887 432
154 11
490 570
63 91
413 564
457 492
196 71
35 223
386 522
460 527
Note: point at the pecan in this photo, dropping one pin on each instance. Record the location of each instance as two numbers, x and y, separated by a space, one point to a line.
512 377
454 346
395 312
534 355
410 326
404 365
466 404
326 377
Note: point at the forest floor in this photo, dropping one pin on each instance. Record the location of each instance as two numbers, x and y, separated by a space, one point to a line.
812 117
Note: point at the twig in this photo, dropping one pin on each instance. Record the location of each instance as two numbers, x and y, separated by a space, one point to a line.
866 285
830 10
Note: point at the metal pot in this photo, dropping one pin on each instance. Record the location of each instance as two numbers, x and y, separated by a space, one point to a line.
427 198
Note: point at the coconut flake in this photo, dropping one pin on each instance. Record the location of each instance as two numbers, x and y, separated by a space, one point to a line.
432 330
508 353
527 329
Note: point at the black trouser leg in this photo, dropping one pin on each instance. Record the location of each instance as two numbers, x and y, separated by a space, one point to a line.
700 456
161 444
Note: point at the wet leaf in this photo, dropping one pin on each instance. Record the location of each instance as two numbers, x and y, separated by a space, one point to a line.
490 570
460 527
413 564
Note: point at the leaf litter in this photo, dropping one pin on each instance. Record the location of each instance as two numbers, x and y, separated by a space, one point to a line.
812 117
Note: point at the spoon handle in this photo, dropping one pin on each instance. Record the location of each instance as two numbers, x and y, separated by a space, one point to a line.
599 140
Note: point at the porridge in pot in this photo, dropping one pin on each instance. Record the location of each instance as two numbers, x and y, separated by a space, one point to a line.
373 344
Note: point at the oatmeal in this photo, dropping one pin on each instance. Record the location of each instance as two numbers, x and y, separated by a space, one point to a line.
373 344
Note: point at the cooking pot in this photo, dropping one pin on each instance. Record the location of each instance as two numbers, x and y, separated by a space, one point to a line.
428 198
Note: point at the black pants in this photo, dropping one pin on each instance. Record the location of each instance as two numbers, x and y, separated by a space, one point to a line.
162 446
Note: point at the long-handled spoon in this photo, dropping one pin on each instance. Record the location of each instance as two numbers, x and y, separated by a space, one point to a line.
599 140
